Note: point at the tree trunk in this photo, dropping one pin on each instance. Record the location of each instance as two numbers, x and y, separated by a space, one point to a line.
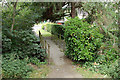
73 14
14 9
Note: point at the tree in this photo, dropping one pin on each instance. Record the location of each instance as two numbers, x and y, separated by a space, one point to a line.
14 13
53 11
73 14
105 16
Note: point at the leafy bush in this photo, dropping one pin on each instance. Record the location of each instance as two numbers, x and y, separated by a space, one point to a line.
28 36
6 43
36 61
107 61
26 47
107 53
15 68
107 56
0 66
114 70
111 70
47 26
54 28
19 43
57 30
82 40
21 49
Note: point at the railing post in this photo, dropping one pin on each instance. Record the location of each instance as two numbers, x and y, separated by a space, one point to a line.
42 43
48 54
45 46
40 37
64 47
56 39
39 34
60 36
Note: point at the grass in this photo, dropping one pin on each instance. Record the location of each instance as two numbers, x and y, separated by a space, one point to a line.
86 73
89 74
44 33
40 72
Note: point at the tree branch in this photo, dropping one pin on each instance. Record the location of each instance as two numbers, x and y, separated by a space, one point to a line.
14 13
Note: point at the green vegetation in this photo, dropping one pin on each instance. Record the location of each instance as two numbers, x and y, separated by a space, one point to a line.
57 30
82 40
54 29
92 42
44 33
15 68
84 44
89 74
19 42
0 66
40 72
20 54
47 26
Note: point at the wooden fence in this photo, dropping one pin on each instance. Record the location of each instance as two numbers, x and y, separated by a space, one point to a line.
45 46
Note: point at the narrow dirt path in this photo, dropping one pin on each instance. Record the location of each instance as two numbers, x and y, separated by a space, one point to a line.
61 66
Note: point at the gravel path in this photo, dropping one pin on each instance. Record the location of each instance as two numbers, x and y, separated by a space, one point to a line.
61 66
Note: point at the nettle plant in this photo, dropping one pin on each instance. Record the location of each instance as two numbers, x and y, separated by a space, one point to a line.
82 40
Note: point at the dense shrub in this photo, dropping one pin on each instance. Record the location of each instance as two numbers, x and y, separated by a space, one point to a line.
107 61
47 26
54 28
17 50
18 44
15 68
82 40
36 61
57 30
108 55
24 45
6 43
111 70
0 66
